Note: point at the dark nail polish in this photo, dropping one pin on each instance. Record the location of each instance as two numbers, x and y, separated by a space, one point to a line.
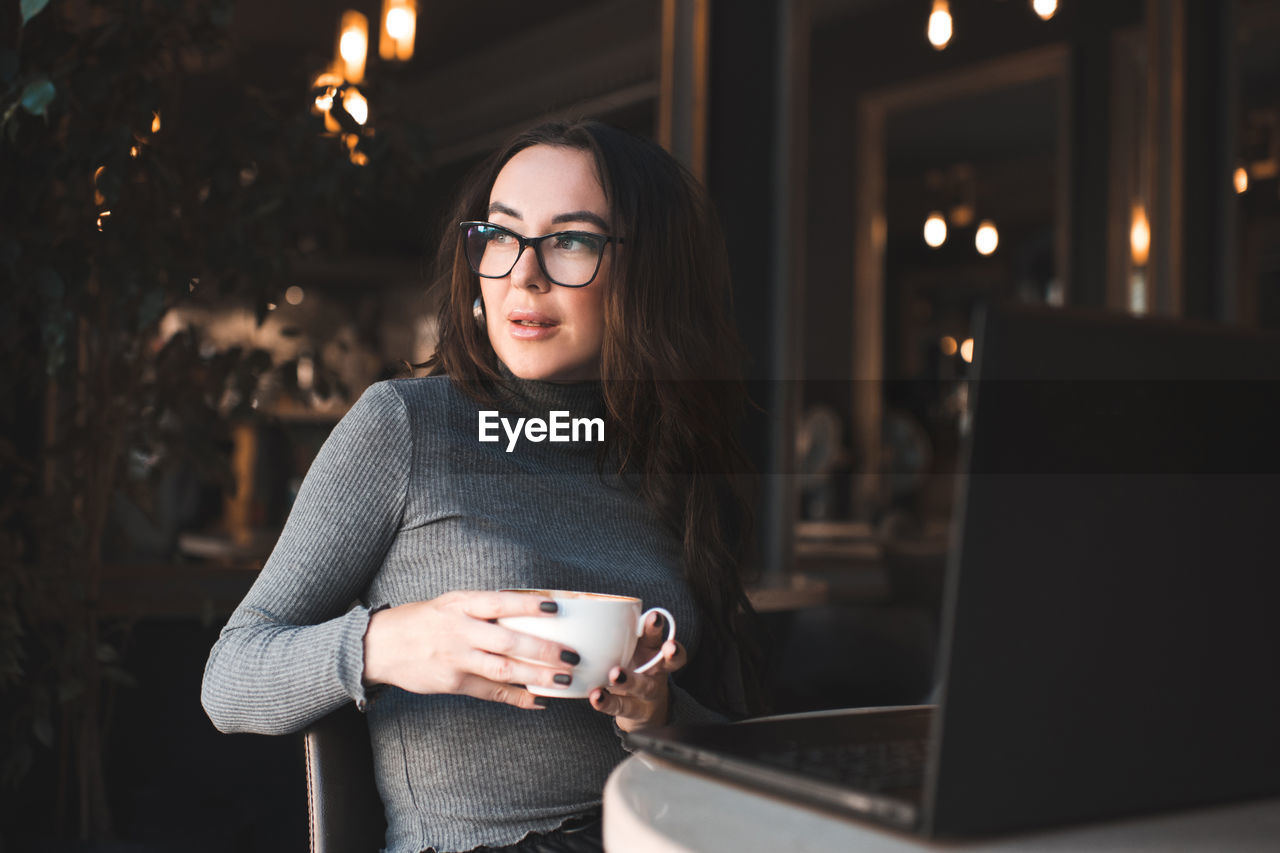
570 657
542 701
561 678
549 607
660 622
622 678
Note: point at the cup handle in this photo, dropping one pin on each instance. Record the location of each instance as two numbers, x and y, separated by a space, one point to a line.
671 635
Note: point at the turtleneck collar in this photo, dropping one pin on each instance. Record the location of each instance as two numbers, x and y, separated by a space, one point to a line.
584 399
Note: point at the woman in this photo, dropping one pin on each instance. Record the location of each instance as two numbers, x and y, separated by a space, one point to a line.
381 588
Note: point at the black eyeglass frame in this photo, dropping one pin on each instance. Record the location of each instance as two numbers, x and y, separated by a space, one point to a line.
536 243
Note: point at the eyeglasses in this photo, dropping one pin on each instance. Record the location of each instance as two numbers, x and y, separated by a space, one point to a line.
567 258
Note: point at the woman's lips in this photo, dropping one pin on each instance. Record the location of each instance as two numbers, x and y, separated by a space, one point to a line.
531 325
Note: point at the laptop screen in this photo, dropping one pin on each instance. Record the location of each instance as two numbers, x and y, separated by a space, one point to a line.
1111 604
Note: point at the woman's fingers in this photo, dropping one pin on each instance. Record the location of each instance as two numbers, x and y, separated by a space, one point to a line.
504 670
653 636
673 657
498 640
624 683
618 705
486 604
492 691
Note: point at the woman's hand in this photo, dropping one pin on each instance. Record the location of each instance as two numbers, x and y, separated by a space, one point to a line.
451 644
636 701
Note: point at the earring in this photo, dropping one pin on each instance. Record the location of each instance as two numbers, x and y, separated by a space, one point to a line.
477 311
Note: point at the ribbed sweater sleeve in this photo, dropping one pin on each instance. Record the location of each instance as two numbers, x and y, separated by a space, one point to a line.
293 651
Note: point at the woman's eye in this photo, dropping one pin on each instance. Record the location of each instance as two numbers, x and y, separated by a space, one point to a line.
499 237
574 243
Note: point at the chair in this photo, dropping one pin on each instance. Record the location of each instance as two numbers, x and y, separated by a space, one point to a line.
344 811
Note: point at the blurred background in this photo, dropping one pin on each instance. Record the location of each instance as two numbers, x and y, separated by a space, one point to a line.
217 221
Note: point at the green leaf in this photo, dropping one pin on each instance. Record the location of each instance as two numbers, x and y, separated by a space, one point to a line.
31 8
39 93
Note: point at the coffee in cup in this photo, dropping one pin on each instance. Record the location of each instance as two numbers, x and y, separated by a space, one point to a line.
602 629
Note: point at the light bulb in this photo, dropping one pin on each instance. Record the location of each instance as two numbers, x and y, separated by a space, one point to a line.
966 350
356 105
940 24
1241 180
948 345
1140 236
935 230
353 45
1046 9
399 23
987 238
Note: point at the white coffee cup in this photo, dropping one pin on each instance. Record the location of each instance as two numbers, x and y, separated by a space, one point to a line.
602 629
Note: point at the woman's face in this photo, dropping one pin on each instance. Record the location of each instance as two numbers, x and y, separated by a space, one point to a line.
542 330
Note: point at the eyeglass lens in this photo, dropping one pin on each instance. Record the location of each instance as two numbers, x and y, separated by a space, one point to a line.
569 258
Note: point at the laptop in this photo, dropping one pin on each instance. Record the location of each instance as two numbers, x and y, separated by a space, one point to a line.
1111 616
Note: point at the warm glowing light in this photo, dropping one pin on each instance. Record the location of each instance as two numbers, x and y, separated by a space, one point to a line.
294 295
399 25
155 122
940 24
1139 236
966 350
356 105
271 306
102 217
1138 292
329 82
1046 9
353 45
133 151
935 230
306 372
987 238
330 123
359 158
97 194
948 345
1241 180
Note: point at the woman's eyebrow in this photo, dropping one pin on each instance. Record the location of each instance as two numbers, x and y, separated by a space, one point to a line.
499 207
581 216
573 216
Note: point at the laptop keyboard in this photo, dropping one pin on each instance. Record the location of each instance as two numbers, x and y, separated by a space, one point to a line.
880 766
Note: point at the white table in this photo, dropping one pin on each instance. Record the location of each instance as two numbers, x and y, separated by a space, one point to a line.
653 806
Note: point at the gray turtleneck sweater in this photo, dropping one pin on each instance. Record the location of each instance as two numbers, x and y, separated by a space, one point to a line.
402 504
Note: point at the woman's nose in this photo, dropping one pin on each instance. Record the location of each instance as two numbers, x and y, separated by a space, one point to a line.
527 274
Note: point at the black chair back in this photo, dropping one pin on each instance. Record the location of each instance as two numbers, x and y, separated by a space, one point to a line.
344 811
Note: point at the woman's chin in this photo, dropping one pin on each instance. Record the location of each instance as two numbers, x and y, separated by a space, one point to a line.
549 370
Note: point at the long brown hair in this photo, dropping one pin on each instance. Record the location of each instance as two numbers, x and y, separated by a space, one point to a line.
670 368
